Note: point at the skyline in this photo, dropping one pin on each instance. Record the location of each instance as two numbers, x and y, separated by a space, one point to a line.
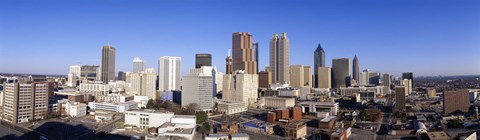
68 34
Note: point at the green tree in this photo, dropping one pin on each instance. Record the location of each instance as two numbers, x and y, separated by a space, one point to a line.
363 115
206 127
201 117
151 104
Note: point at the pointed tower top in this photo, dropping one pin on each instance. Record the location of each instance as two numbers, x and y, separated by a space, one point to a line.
319 48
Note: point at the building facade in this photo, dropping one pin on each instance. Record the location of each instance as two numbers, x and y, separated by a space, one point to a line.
169 71
203 59
198 87
324 77
143 83
138 65
243 54
280 59
25 102
241 87
108 63
340 72
318 61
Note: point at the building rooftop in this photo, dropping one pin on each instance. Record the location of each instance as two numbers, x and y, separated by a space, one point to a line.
149 111
437 135
328 119
240 135
321 103
181 131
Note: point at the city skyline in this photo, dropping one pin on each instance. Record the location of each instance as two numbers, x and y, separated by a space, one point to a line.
428 40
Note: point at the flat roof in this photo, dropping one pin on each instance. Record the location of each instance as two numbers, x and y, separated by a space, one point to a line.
437 135
181 131
240 135
320 103
328 119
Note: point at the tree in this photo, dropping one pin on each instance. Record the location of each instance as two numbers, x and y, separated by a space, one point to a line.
190 109
363 115
151 104
201 116
206 127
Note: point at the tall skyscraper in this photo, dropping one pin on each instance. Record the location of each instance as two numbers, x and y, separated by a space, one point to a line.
318 61
143 83
280 59
108 64
307 76
169 73
340 72
400 98
241 87
138 65
197 87
243 53
255 48
203 59
324 77
356 69
26 102
407 75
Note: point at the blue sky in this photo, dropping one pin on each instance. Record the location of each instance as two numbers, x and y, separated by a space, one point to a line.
428 37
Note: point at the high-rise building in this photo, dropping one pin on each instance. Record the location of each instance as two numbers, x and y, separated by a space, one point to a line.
240 87
324 77
407 75
307 76
364 78
386 80
280 59
456 101
297 76
318 61
72 80
197 87
356 72
264 79
203 59
122 76
138 65
75 70
374 78
407 83
90 73
143 83
400 99
25 102
340 72
108 63
243 54
229 65
169 73
255 48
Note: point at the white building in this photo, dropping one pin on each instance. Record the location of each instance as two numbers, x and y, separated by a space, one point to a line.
115 98
197 87
147 118
240 87
348 91
143 83
179 126
289 92
407 83
473 94
72 80
138 65
141 101
230 107
75 109
113 107
169 71
240 136
278 102
75 70
331 107
95 88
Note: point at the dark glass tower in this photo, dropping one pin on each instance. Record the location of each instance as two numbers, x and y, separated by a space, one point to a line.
318 61
255 48
356 72
203 60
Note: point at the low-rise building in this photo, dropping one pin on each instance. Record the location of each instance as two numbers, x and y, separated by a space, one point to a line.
295 130
230 107
313 107
288 92
179 126
439 135
327 123
278 102
147 118
216 137
240 136
113 107
76 109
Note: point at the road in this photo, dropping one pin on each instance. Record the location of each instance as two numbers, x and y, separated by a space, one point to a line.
384 126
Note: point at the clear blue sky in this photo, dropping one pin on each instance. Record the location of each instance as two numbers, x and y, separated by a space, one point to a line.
428 37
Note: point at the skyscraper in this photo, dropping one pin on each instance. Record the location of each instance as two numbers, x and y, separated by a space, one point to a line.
318 61
169 73
280 59
26 102
307 76
138 65
197 87
108 64
407 75
243 53
241 87
255 48
324 77
122 76
264 79
356 72
456 101
340 72
203 59
90 73
143 83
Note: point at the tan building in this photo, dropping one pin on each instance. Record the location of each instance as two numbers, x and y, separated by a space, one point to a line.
280 58
241 87
229 65
26 102
243 54
400 98
143 83
264 79
278 102
307 76
108 64
431 92
296 76
455 101
295 130
324 77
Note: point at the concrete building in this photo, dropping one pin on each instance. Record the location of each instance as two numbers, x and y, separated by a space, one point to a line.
400 98
295 130
138 65
324 77
318 61
72 80
289 92
280 59
340 72
25 102
203 59
122 76
113 107
307 76
229 65
314 107
407 75
143 83
297 76
90 73
456 101
75 70
147 118
348 91
198 87
243 54
169 70
473 94
278 102
108 64
76 109
230 107
264 79
431 92
407 83
241 87
182 126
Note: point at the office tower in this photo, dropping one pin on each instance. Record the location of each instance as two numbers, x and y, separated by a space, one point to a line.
75 70
364 77
169 73
318 61
243 53
374 78
108 64
386 80
407 75
99 74
138 65
340 72
72 80
457 100
264 79
400 99
26 102
324 77
241 87
143 83
203 59
296 76
255 48
229 66
89 73
307 76
356 69
122 76
407 83
197 87
280 59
